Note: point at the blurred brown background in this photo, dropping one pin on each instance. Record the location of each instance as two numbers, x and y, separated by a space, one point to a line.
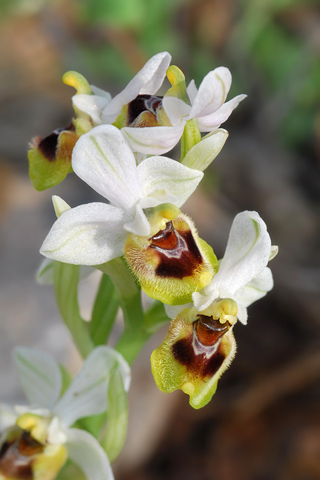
264 421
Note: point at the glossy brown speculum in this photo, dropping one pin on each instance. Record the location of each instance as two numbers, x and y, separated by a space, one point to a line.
149 104
209 331
17 455
48 146
165 239
178 254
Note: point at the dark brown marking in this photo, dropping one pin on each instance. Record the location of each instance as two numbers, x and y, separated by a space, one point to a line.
48 145
165 239
182 259
17 456
140 104
198 365
209 331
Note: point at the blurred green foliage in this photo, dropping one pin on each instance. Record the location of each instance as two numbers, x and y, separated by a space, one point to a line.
271 46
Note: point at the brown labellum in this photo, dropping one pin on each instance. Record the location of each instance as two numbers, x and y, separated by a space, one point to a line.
209 331
17 454
177 251
48 146
140 105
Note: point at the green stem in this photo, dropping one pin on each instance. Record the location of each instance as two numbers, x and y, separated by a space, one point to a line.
104 311
66 278
135 334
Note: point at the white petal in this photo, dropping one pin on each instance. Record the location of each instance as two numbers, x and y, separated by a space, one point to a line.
147 81
92 105
87 395
45 273
192 91
153 140
242 314
210 122
247 252
176 109
203 299
86 452
212 92
139 225
87 235
103 160
7 416
55 433
274 252
204 152
100 93
167 181
256 289
39 375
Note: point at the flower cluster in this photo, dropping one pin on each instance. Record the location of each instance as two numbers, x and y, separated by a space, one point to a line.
140 239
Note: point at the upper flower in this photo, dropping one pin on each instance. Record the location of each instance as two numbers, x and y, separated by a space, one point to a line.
42 439
206 105
200 344
154 125
95 233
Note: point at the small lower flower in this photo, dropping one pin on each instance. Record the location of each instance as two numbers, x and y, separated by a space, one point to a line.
200 344
41 440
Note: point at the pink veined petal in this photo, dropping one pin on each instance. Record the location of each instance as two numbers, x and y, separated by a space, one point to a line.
167 181
152 140
90 234
212 92
147 81
210 122
103 160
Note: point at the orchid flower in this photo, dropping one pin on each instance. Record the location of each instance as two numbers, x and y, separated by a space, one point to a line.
42 438
200 344
136 106
143 199
207 106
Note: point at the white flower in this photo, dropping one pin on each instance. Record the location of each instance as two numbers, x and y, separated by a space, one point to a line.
104 110
87 395
95 233
243 275
206 105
